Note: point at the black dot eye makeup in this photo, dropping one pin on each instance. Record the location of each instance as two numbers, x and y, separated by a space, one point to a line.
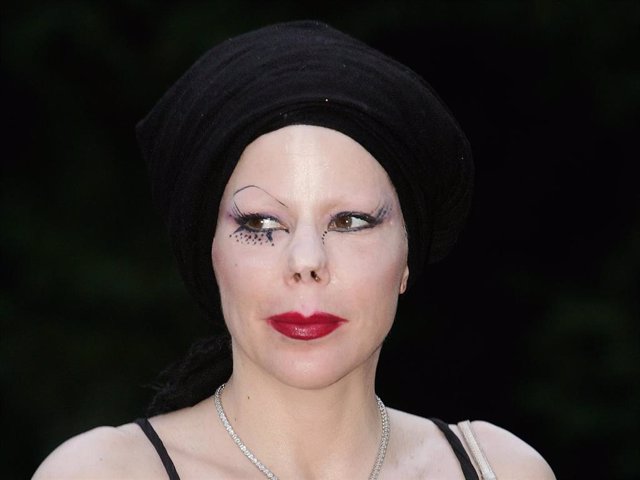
253 238
258 228
255 228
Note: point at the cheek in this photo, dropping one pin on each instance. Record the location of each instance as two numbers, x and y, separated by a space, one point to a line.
241 270
225 265
372 271
231 277
253 238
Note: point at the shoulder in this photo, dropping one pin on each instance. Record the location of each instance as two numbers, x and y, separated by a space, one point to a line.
508 455
415 443
102 453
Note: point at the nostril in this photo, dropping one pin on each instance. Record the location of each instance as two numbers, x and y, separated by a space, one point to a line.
315 276
297 277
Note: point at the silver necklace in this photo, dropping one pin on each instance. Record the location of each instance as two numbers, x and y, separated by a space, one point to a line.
382 448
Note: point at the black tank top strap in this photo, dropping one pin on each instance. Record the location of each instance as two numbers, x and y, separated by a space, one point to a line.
153 437
456 445
465 462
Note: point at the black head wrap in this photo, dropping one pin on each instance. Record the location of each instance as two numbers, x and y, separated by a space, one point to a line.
301 73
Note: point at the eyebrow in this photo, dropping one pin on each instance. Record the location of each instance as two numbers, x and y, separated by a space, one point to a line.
259 188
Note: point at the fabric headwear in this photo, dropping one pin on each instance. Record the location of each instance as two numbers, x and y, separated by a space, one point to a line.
301 73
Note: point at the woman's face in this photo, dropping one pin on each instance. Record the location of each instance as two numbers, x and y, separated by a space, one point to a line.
310 254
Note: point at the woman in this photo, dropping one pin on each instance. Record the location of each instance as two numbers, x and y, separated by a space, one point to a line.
308 178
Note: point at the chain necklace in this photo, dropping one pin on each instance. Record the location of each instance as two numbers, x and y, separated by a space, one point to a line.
382 448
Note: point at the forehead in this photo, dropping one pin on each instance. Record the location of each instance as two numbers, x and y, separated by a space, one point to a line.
299 160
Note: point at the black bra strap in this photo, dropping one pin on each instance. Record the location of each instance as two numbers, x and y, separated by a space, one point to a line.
159 446
456 445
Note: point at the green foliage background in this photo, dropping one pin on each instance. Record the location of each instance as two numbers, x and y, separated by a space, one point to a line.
533 321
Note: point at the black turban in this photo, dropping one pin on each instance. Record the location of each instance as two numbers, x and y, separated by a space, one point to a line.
301 73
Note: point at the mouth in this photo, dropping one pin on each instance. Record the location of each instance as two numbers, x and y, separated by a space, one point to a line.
297 326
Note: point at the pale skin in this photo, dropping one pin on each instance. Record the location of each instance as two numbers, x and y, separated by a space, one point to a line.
333 240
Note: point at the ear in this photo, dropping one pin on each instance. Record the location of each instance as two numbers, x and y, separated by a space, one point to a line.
405 278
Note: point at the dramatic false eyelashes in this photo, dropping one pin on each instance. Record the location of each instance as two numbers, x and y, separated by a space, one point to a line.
354 221
256 228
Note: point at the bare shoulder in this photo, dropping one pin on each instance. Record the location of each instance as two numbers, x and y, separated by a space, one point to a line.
412 429
419 438
102 453
508 455
415 443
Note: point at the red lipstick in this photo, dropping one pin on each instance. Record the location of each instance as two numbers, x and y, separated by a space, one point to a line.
297 326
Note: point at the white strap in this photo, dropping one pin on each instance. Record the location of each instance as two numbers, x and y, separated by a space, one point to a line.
476 452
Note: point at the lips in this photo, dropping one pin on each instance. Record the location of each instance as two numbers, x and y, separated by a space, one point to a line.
297 326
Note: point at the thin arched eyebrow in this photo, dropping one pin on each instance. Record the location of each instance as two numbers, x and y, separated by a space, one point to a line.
259 188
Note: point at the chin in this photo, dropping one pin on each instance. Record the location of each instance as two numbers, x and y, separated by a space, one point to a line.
309 376
319 369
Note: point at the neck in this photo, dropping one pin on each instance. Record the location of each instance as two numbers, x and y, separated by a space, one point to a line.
306 432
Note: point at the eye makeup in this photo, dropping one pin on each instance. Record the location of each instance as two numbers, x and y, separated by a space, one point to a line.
255 228
247 187
350 221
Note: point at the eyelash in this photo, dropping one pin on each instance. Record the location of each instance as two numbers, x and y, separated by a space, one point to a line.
371 220
245 233
251 235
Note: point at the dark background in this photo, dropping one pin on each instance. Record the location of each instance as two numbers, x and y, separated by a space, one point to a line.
532 322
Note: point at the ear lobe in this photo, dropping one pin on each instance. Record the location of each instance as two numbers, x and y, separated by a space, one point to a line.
405 279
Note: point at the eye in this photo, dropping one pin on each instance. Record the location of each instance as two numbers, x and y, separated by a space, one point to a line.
256 229
351 222
260 223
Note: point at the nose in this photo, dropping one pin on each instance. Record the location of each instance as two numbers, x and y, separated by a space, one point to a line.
307 258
